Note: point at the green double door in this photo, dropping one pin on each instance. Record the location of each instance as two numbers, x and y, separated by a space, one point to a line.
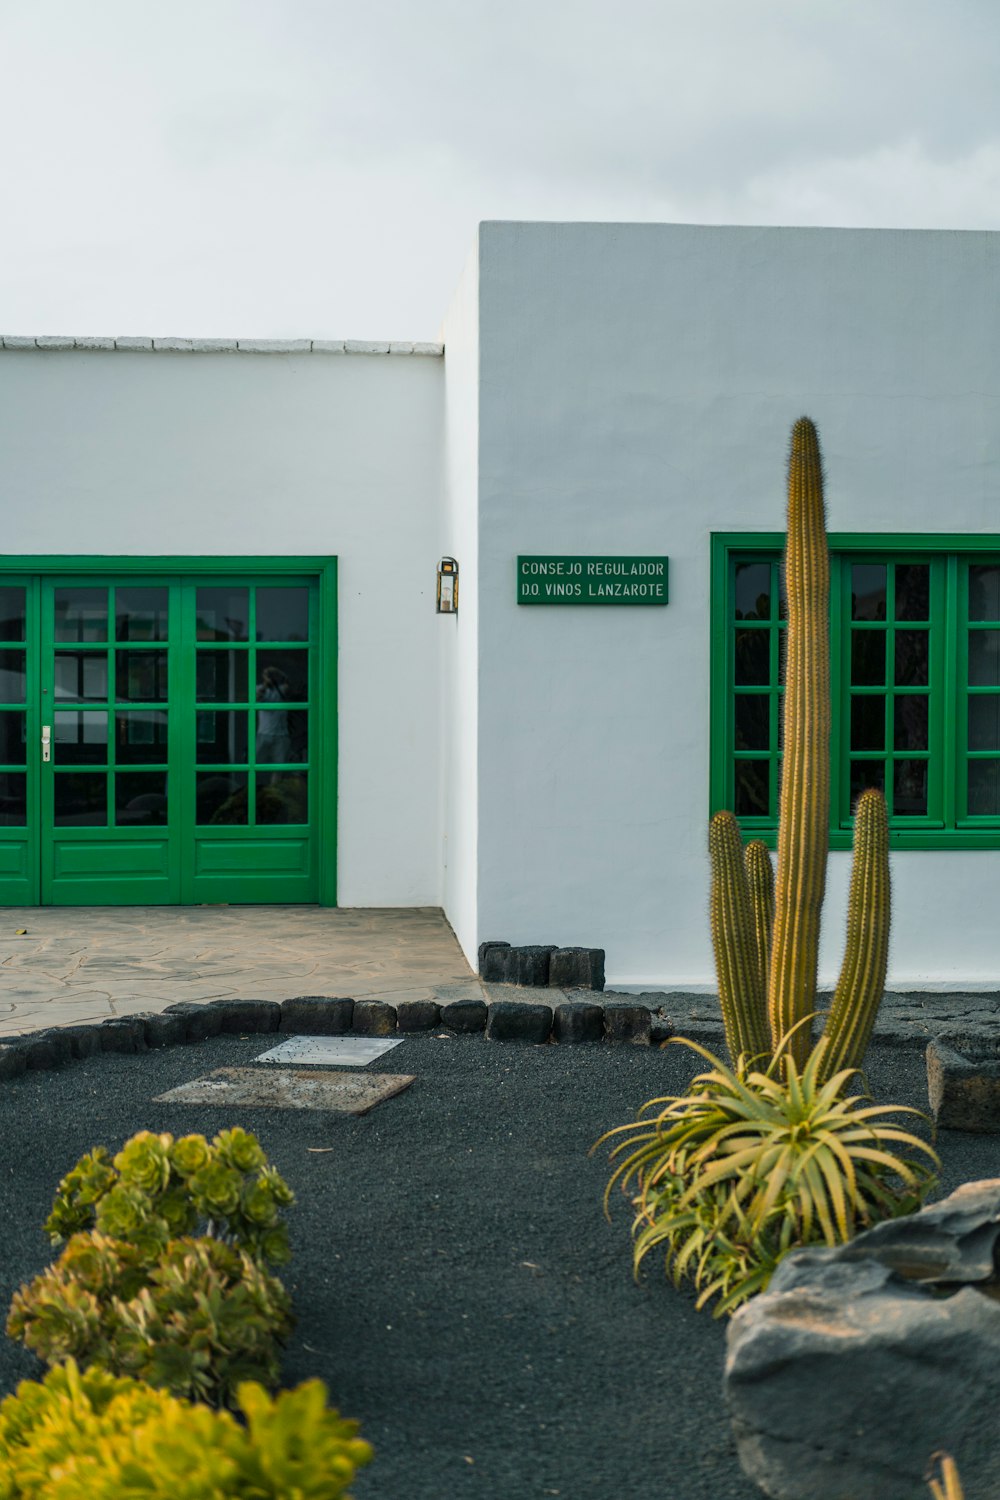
164 738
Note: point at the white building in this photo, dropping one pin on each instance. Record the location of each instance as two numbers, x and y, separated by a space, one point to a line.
218 595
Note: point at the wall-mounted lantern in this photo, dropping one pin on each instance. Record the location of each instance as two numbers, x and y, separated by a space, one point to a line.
447 590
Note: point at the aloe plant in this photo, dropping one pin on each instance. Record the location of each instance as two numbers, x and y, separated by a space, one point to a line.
767 964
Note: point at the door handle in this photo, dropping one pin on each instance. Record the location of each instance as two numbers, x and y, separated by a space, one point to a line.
46 742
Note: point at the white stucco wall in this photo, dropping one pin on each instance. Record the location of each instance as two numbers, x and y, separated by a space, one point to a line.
229 454
637 387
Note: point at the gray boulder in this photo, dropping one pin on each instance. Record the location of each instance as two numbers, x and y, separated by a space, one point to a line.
861 1361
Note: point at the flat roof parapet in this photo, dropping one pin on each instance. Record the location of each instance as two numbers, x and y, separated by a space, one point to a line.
63 342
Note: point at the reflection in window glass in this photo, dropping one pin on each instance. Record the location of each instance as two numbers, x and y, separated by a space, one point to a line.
11 614
909 789
13 681
753 788
283 614
984 788
984 591
81 614
913 591
13 746
81 674
753 721
140 735
912 658
13 799
223 614
868 658
221 797
140 798
222 737
80 737
222 676
910 725
283 735
868 591
984 658
866 773
141 676
81 799
753 657
282 797
984 721
868 723
753 591
282 676
141 614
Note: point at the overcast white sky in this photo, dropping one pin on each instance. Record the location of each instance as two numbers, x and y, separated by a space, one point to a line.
316 168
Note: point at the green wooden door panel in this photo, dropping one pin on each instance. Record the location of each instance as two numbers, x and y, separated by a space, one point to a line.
190 706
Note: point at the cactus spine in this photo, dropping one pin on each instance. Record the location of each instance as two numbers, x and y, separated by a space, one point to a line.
766 936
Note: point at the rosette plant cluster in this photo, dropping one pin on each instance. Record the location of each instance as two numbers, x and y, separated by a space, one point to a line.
165 1275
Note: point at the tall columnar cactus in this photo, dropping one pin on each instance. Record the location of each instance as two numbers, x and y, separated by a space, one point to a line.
767 964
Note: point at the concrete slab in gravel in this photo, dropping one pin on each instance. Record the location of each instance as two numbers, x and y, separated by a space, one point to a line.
289 1088
330 1051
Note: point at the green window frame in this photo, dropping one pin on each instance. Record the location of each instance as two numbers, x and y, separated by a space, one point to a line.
915 683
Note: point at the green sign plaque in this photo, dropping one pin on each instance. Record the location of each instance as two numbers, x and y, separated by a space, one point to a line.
591 580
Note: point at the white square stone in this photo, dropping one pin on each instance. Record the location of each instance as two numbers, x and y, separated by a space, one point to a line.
330 1051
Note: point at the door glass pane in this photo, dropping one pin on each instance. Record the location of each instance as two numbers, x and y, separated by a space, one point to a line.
13 746
141 676
140 798
283 736
11 614
912 658
984 591
283 676
283 614
753 657
81 799
984 722
910 722
222 737
868 723
868 658
913 591
141 614
753 591
221 797
909 789
223 614
81 614
868 591
753 721
13 799
222 676
282 797
984 788
753 791
80 737
984 658
140 735
81 674
13 682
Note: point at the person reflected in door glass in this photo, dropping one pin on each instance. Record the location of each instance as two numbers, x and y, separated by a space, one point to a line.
274 742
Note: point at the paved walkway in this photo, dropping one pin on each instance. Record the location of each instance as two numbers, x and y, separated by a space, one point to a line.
76 964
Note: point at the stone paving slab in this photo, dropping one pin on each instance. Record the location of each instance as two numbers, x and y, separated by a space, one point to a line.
289 1088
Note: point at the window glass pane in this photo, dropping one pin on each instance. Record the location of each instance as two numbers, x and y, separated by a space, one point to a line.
913 591
222 737
223 614
868 723
752 788
984 722
141 614
909 789
912 658
868 591
910 722
868 658
81 614
140 798
140 735
141 676
81 799
984 591
81 674
80 737
13 744
984 788
753 721
283 736
753 591
866 773
13 799
283 614
282 676
221 797
222 676
282 797
753 657
984 658
13 682
11 614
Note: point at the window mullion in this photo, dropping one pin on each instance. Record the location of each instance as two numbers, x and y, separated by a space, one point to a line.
949 710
